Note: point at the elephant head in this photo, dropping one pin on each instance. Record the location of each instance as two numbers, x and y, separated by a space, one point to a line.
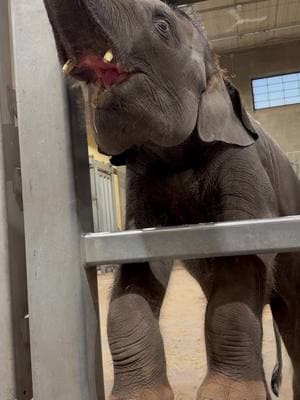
151 75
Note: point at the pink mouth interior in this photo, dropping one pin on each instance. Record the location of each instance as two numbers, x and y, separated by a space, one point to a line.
102 73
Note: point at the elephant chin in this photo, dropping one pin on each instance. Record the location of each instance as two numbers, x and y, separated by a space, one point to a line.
121 120
113 147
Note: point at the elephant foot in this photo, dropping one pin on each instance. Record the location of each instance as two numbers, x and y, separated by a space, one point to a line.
219 387
163 393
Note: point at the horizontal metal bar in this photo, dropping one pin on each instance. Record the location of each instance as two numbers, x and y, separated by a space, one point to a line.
278 235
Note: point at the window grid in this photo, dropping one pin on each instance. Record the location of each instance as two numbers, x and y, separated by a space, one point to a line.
275 91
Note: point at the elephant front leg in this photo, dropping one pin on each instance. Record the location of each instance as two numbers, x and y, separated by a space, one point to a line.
134 336
233 331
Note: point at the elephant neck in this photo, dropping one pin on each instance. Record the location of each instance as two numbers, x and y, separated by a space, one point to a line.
153 158
122 158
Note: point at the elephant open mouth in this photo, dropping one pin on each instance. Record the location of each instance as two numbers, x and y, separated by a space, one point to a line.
135 58
98 70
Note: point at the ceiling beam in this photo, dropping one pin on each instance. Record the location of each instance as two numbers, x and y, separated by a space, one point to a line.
185 2
258 32
208 6
227 6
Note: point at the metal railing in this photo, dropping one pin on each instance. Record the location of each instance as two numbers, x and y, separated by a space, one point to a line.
278 235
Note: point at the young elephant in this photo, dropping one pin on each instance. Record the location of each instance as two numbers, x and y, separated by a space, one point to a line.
160 103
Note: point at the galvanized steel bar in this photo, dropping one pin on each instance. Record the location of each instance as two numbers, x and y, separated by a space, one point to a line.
83 191
7 367
63 315
15 368
196 241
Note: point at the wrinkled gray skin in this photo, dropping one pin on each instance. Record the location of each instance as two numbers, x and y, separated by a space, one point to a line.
199 158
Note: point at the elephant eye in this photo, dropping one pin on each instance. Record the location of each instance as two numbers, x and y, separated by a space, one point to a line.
163 27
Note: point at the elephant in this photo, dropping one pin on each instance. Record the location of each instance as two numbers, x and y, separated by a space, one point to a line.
161 104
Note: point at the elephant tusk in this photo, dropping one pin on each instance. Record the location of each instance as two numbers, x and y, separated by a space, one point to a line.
68 67
108 57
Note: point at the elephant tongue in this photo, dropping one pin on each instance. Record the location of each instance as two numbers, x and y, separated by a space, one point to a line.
101 72
113 77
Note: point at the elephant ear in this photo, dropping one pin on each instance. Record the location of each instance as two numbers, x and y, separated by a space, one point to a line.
222 116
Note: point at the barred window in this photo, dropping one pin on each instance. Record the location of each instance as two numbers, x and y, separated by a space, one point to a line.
274 91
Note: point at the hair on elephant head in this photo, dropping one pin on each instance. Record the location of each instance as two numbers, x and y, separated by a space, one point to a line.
151 75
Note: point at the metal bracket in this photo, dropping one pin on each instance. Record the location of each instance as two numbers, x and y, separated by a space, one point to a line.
12 103
17 187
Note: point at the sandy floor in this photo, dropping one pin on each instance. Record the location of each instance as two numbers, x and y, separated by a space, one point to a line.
183 337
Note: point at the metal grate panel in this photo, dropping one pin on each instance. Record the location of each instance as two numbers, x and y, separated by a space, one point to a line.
103 197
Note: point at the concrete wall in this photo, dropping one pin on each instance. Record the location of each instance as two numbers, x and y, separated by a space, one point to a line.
283 123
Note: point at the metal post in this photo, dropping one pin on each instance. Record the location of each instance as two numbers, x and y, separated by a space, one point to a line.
63 318
7 371
15 367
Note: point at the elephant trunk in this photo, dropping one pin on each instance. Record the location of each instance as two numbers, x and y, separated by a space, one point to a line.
86 26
